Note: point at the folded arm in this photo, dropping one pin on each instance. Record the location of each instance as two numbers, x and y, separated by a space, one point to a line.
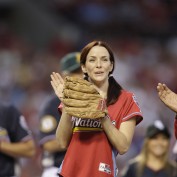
121 139
18 149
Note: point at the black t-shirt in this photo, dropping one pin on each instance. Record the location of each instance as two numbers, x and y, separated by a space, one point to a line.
13 128
131 171
49 119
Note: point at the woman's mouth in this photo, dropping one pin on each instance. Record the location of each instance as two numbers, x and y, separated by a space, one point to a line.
99 73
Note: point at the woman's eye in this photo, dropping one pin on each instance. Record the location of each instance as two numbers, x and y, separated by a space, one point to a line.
91 60
105 59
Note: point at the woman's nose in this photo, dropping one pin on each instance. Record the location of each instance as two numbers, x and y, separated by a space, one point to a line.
98 64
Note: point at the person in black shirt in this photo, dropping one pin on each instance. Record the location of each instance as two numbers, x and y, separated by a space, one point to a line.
15 140
49 119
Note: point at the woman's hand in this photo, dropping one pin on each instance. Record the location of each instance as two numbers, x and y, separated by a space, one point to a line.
57 83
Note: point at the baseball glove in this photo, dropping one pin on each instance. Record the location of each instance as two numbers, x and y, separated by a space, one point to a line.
82 100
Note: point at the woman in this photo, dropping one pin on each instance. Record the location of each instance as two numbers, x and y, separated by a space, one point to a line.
93 153
153 158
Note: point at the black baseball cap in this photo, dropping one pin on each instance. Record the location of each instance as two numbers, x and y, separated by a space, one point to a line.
157 128
70 62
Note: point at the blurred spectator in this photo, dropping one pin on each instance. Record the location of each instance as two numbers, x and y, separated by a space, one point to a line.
15 140
153 159
49 118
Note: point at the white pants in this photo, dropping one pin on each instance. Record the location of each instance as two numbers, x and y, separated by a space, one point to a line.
50 172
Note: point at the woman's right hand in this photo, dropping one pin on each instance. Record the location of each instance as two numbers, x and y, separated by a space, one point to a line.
57 83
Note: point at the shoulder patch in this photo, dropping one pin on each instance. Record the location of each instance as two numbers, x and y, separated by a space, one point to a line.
3 132
48 123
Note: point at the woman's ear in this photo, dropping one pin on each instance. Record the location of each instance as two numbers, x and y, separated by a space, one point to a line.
111 67
83 69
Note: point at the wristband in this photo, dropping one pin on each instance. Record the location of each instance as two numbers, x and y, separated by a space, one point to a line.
105 117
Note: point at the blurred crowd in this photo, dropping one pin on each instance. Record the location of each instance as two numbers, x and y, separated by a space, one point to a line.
143 59
117 18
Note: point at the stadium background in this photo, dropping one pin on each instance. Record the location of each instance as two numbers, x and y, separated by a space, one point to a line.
34 35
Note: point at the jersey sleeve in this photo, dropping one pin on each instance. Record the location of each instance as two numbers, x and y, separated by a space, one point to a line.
17 127
49 118
132 108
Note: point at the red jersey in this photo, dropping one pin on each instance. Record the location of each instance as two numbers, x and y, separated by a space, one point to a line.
175 127
90 153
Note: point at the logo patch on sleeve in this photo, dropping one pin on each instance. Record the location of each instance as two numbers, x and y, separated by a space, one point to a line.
4 135
104 168
48 123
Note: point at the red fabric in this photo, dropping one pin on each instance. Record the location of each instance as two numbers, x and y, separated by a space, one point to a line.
90 152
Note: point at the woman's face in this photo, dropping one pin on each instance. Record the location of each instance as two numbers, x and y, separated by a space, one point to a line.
158 145
98 64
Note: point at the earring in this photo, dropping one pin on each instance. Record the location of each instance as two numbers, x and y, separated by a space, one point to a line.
85 76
